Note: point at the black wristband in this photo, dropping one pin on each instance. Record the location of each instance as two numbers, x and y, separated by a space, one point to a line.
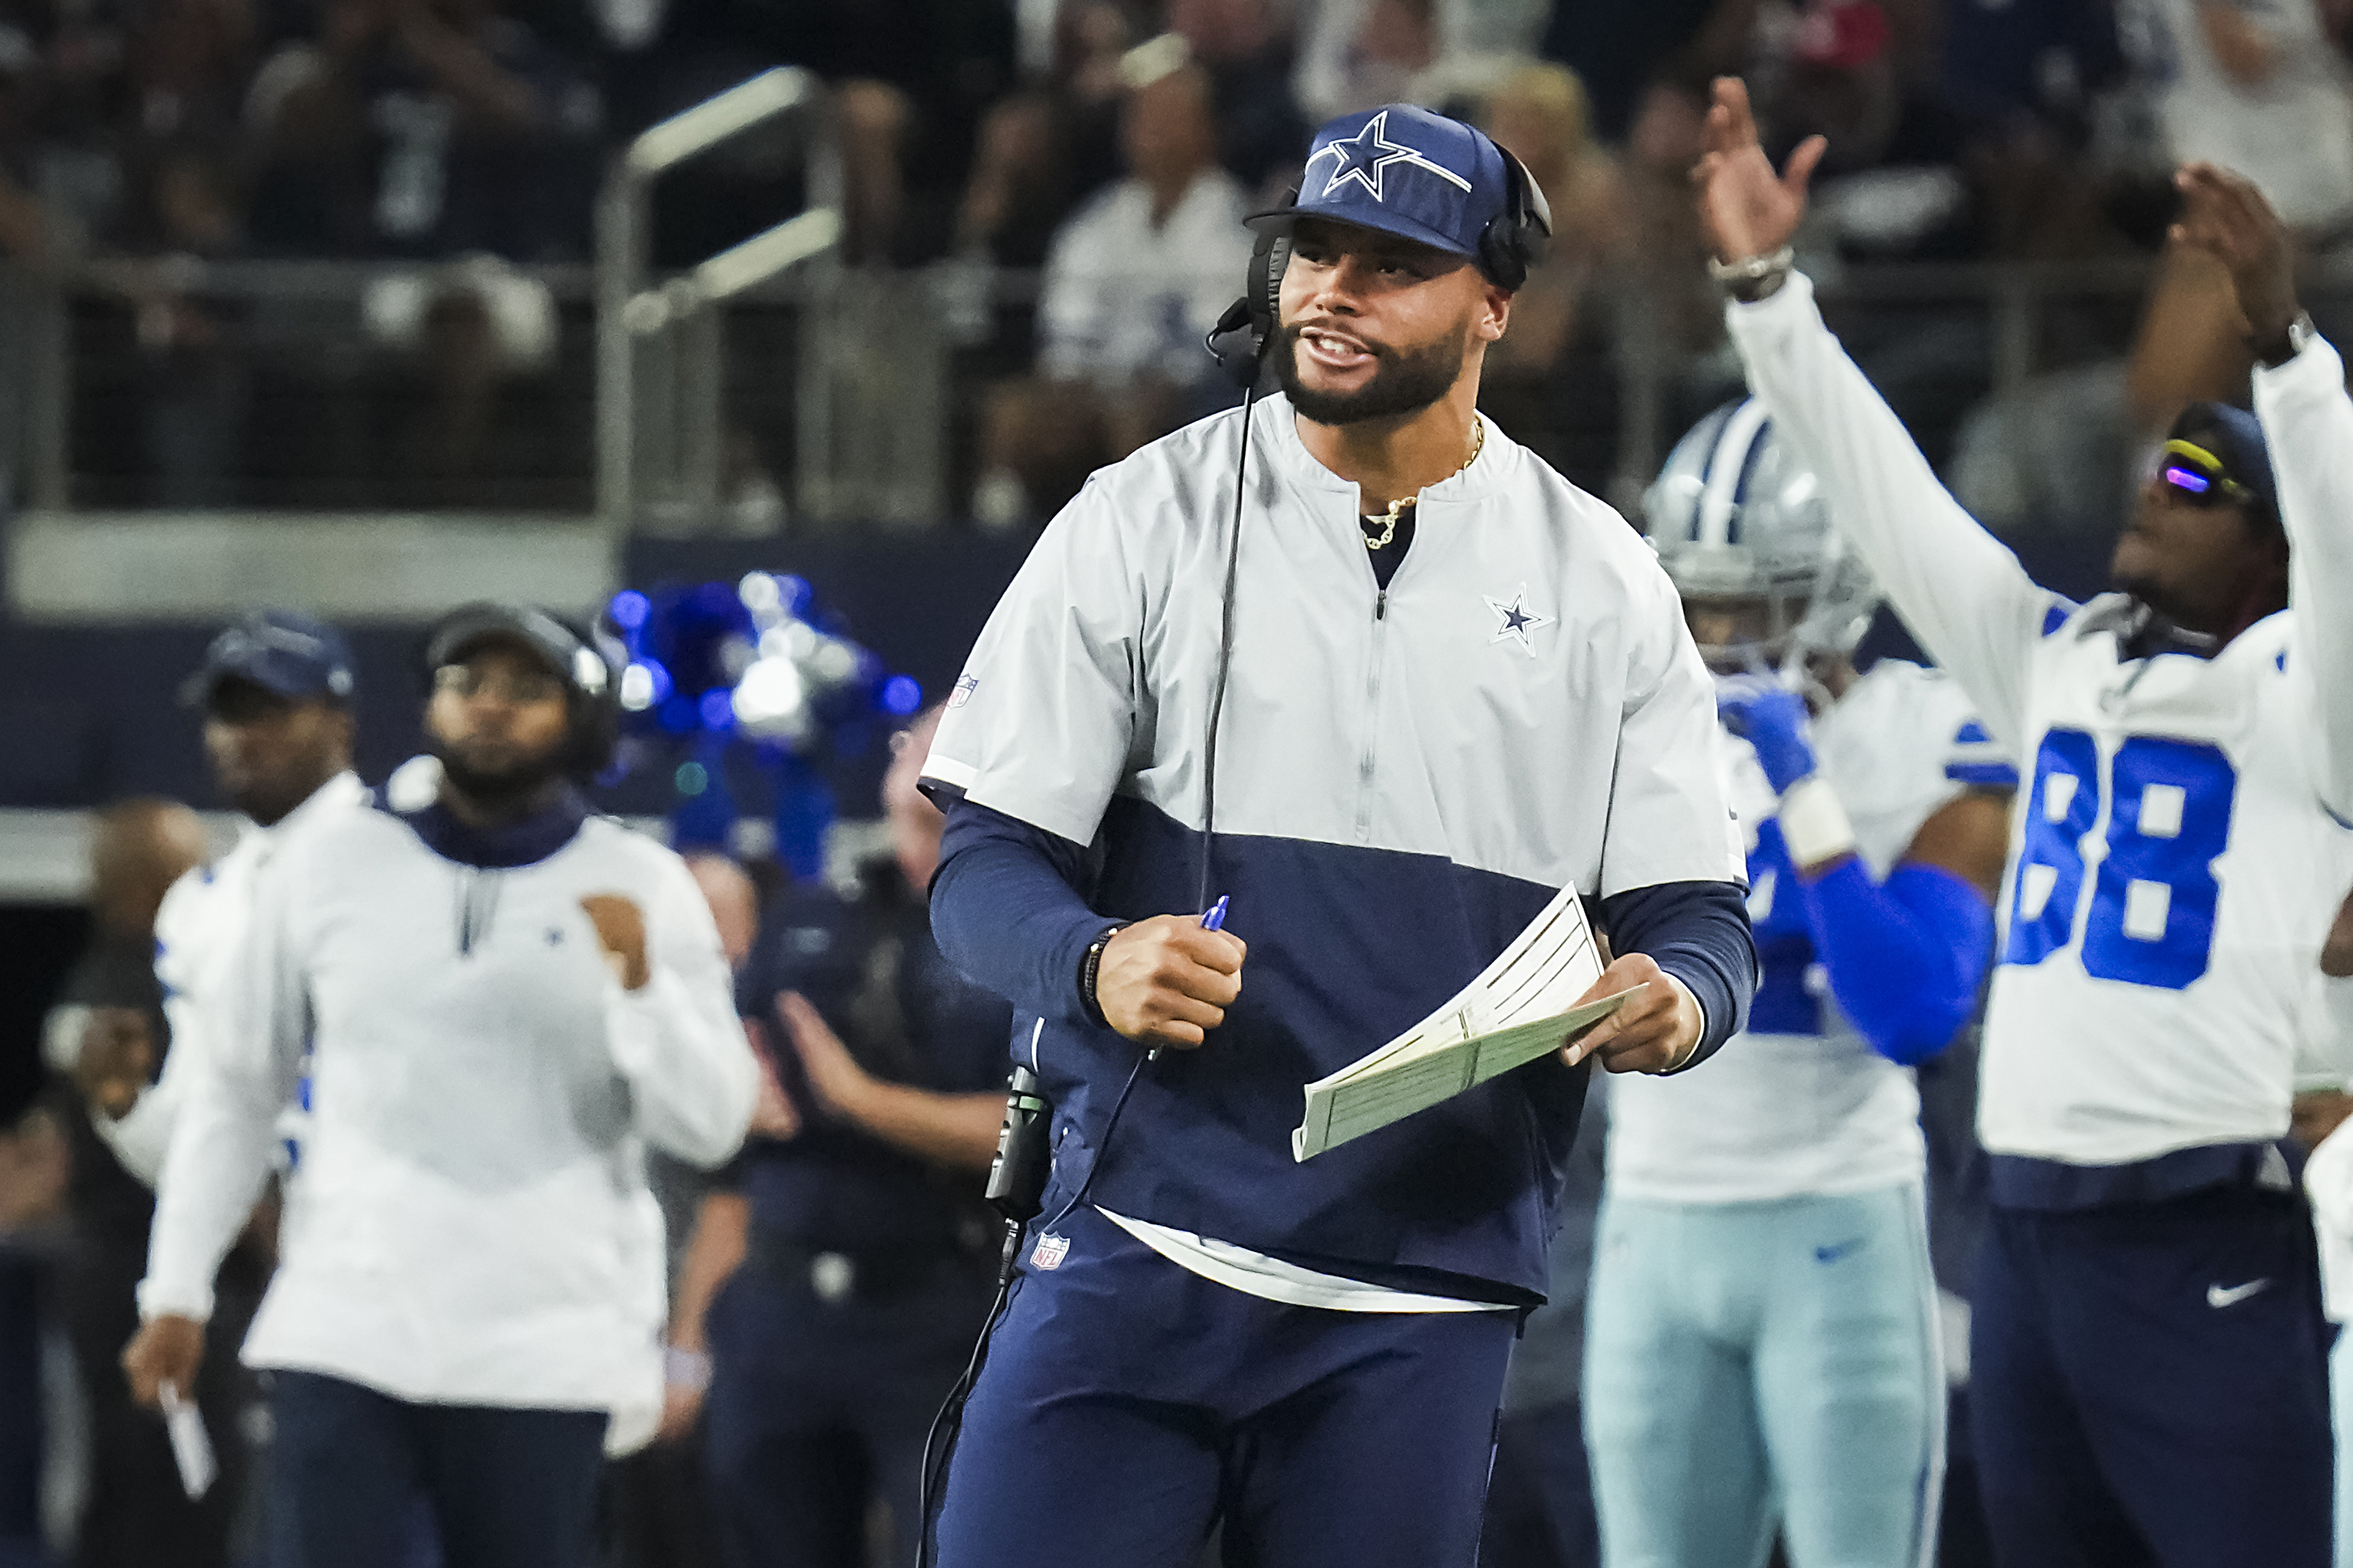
1088 968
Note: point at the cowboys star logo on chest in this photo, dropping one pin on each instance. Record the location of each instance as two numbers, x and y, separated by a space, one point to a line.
1517 621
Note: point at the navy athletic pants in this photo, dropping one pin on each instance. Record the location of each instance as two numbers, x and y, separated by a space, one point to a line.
509 1488
2148 1385
1128 1405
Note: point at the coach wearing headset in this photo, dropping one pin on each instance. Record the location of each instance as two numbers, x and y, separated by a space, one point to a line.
504 1000
1456 685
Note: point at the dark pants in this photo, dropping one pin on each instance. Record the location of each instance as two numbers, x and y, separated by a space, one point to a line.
1128 1405
656 1509
507 1489
21 1436
1540 1500
817 1407
2148 1385
136 1514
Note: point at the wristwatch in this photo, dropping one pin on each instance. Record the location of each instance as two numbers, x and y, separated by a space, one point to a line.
2289 343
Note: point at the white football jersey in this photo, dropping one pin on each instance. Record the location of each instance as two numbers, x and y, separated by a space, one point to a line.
1801 1104
2178 850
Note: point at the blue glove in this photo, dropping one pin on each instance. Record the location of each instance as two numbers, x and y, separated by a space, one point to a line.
1773 719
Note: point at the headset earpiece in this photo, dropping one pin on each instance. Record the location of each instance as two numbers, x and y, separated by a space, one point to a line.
1516 240
1237 342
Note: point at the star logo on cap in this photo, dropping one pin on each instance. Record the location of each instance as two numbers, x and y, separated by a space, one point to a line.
1365 155
1515 621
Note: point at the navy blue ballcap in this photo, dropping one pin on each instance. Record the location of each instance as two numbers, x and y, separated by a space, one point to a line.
1403 170
283 651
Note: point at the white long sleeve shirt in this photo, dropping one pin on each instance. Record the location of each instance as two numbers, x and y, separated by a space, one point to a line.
471 1222
1124 297
198 931
2173 861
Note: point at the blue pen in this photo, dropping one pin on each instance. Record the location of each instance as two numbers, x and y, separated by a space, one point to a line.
1212 918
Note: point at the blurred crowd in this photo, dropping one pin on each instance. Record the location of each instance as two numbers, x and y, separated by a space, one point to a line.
1099 149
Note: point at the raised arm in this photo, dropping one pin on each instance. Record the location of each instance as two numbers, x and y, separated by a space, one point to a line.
2299 383
1963 596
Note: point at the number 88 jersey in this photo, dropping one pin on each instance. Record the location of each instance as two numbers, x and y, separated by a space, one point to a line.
2172 873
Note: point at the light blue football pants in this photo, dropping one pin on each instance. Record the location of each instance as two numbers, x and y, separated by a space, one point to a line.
1761 1363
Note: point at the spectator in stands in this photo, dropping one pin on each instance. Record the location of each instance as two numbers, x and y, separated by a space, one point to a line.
1050 143
419 128
1891 186
107 1030
1446 55
1249 51
838 1278
1038 152
2027 78
1134 281
2255 87
1624 51
1549 382
1677 314
443 132
1362 53
2259 90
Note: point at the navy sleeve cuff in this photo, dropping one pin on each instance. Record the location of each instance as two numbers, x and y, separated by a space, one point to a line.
1006 911
1698 932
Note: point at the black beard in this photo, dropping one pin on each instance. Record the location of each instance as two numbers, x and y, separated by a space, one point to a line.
1404 382
501 791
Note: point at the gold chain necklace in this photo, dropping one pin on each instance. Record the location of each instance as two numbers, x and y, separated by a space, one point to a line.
1389 519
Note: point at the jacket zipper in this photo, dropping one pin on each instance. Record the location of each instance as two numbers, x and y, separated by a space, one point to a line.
1372 716
477 901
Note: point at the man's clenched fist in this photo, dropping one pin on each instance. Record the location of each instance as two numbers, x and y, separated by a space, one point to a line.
1168 982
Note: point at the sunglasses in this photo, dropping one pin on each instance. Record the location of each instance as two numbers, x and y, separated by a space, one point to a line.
2197 474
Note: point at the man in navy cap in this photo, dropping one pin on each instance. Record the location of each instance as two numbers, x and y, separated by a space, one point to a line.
276 691
1390 685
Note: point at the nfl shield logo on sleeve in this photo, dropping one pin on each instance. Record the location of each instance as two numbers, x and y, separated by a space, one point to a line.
963 690
1050 1252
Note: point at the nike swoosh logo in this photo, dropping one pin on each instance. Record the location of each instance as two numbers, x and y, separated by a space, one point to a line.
2218 1298
1832 1254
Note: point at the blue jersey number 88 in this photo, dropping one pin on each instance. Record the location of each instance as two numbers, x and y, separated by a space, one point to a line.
2152 915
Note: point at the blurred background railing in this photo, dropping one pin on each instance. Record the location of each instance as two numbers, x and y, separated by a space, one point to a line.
828 400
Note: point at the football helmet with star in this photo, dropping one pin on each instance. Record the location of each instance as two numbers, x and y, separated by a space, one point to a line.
1740 523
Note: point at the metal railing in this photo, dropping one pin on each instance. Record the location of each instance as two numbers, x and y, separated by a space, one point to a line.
661 366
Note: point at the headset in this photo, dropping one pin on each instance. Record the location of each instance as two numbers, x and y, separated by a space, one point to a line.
1512 244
